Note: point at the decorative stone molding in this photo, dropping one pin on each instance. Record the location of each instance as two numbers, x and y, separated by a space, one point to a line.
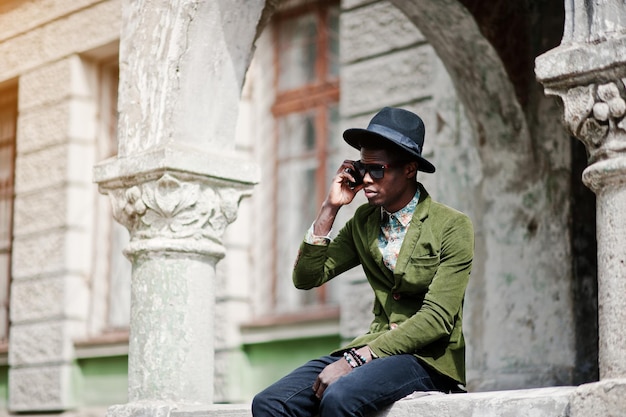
594 113
176 212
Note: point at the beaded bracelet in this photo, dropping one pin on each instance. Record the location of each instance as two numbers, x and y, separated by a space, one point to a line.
354 359
350 360
360 359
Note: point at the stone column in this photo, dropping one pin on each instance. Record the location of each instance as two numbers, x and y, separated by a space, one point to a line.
176 184
176 220
588 72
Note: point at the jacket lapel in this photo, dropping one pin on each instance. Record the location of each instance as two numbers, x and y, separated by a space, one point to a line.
373 231
414 231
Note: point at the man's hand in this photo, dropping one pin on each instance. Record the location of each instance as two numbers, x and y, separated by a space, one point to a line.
340 192
330 374
336 370
339 195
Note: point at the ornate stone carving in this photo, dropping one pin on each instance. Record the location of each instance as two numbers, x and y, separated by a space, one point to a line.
170 213
595 113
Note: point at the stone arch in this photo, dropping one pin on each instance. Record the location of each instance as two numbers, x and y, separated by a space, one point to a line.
476 70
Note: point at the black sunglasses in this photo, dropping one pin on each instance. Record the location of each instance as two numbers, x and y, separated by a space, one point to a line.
376 171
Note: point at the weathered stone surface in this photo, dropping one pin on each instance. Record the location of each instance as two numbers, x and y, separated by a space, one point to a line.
45 85
52 252
41 169
375 29
40 343
600 399
229 315
172 342
593 23
36 299
545 402
97 25
33 214
49 298
142 409
42 128
41 388
231 376
407 74
29 15
610 187
38 255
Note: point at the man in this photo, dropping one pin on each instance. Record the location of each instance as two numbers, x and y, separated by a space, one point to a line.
417 256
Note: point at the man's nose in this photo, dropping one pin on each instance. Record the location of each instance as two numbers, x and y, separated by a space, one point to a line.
367 178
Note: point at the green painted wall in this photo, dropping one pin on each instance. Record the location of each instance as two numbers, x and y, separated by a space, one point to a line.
103 381
270 361
4 387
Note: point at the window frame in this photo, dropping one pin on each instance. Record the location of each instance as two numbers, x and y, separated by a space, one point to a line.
9 103
317 96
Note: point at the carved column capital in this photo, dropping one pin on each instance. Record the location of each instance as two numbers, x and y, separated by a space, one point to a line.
595 113
175 212
588 72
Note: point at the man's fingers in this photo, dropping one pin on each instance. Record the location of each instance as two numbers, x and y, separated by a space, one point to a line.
318 388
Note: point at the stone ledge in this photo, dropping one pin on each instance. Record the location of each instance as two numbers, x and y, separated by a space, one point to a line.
540 402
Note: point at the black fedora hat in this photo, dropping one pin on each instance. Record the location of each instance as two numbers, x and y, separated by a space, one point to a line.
397 126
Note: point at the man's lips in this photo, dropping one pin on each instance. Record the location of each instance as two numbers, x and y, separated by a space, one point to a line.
369 192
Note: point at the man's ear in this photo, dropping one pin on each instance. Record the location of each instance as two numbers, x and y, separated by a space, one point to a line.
411 169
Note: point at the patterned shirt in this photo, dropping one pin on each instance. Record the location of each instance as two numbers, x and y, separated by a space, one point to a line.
393 228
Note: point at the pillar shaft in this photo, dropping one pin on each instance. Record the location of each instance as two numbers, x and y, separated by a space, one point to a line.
171 338
608 180
588 72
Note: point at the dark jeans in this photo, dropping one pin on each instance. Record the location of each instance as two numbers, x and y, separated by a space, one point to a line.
368 388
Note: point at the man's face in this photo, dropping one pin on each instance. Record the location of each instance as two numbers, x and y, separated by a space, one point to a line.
393 191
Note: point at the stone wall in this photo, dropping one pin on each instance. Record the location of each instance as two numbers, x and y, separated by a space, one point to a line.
53 213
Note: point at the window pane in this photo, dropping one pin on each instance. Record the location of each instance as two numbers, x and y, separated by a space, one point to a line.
295 212
297 135
335 143
297 45
333 42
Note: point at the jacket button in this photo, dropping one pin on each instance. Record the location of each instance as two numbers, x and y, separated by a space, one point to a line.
396 296
393 325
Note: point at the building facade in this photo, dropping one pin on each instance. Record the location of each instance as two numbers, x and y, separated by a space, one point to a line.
183 148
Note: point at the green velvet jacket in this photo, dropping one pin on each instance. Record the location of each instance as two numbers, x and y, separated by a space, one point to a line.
418 308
